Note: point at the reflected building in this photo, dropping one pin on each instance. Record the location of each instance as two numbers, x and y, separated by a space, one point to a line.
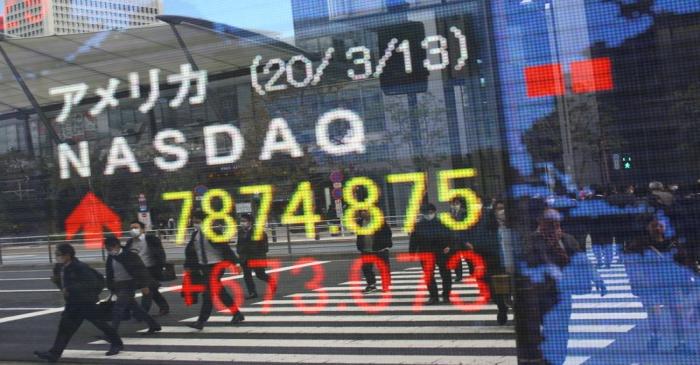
55 17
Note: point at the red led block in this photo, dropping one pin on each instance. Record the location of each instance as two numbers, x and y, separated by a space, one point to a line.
544 80
591 75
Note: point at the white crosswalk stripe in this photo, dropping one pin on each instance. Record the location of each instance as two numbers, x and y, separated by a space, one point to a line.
342 332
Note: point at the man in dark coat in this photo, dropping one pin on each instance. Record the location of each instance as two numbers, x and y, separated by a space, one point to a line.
150 249
377 245
460 238
125 274
201 257
550 255
491 240
249 248
81 286
660 273
433 238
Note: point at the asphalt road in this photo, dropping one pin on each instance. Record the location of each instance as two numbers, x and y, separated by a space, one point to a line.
296 244
609 330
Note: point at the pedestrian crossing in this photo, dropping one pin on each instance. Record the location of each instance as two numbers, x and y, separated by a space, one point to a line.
341 332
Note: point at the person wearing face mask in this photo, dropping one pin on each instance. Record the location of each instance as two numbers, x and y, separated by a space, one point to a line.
460 240
150 249
431 237
376 244
201 257
491 240
125 274
80 285
249 248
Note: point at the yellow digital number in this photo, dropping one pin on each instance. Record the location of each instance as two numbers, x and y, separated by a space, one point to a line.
414 200
369 204
302 199
446 193
265 191
213 215
185 213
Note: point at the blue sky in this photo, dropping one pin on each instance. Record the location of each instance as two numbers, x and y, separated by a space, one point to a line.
265 15
273 16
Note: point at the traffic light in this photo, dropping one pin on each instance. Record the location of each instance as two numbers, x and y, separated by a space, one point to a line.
626 162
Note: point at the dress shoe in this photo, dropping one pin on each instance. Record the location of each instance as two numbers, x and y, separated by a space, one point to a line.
199 325
114 349
252 296
46 355
369 289
432 301
446 300
237 318
502 318
153 330
164 312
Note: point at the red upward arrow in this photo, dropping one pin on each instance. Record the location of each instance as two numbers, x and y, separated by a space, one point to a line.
91 215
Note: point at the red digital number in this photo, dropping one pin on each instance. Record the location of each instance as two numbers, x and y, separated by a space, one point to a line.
427 261
216 286
316 282
188 288
386 283
272 283
479 272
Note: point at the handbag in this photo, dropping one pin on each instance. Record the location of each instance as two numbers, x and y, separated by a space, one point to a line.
167 272
106 307
500 284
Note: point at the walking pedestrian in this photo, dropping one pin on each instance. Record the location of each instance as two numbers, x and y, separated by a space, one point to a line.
431 237
249 248
559 269
80 285
660 275
602 230
126 273
459 241
201 257
492 240
171 226
377 245
150 249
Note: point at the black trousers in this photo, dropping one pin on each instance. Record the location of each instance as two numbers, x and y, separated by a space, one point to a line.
126 301
155 296
248 276
368 268
445 275
207 302
72 317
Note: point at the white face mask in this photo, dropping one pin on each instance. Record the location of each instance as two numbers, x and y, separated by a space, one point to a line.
135 232
430 216
115 252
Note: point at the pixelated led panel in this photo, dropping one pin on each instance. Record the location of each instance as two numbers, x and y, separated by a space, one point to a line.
586 76
94 58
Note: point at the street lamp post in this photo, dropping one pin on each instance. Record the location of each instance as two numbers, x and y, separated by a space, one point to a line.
561 103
